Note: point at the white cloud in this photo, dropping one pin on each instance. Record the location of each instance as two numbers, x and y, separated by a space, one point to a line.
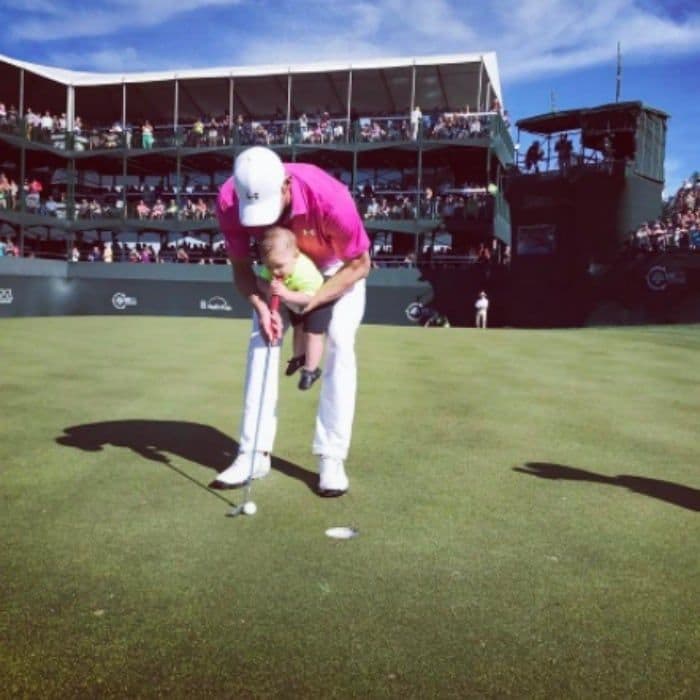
56 21
532 38
123 59
561 36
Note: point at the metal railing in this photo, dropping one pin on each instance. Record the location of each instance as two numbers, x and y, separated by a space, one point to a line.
304 131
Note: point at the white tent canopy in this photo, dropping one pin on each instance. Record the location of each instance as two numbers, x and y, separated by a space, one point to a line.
363 87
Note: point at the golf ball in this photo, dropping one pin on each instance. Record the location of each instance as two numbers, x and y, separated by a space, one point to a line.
249 508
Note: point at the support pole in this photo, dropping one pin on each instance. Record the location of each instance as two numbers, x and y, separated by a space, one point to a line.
124 147
21 93
479 104
419 190
349 122
353 181
22 195
230 104
176 112
289 107
413 88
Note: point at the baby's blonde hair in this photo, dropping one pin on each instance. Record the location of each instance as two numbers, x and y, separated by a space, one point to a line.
278 239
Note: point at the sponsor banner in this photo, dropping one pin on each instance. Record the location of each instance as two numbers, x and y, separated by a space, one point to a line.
120 301
659 277
215 304
6 296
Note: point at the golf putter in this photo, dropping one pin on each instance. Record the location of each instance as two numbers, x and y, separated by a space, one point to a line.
237 510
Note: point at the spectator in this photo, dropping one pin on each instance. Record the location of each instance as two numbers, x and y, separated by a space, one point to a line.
533 156
416 120
198 133
11 249
213 132
4 191
107 253
142 210
158 211
171 212
95 209
147 135
372 209
482 306
32 122
563 148
95 255
189 210
51 206
474 123
304 128
47 125
200 210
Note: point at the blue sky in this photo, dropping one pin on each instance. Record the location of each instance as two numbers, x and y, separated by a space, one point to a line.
565 48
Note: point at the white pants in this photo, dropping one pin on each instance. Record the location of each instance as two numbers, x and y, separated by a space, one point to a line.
336 408
481 318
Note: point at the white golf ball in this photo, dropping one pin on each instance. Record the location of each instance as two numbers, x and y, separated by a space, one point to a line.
249 508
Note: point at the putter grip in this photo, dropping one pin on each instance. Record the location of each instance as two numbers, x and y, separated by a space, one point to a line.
274 303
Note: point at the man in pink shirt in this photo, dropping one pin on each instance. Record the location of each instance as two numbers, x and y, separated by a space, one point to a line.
320 211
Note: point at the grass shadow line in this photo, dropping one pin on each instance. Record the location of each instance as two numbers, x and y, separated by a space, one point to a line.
153 440
667 491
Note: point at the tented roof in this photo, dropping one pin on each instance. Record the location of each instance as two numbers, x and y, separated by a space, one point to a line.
575 119
76 78
447 82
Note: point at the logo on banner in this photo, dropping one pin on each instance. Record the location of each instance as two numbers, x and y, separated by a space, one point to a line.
660 277
656 278
6 296
215 304
120 301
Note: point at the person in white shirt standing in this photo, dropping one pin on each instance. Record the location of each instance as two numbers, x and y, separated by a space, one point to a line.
482 307
416 118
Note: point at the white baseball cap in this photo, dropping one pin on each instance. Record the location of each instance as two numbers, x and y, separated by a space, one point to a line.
258 175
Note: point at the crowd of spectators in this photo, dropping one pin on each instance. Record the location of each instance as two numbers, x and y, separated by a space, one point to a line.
320 127
679 228
81 250
9 247
9 192
470 203
196 203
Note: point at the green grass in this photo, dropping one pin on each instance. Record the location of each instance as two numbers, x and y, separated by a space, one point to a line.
121 577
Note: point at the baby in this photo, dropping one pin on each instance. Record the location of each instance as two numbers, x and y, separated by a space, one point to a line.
288 273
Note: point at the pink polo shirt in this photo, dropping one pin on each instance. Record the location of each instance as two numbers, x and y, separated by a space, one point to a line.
323 217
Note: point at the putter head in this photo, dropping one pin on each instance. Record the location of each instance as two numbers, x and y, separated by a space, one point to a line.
236 510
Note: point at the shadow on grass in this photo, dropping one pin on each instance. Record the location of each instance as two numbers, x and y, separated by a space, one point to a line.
152 439
676 494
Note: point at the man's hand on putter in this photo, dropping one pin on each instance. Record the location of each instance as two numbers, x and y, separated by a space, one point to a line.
270 323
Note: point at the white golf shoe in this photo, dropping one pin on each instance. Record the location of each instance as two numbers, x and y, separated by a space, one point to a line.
239 471
332 481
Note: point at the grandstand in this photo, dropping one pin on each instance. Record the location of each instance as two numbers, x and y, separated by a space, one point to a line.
137 159
125 169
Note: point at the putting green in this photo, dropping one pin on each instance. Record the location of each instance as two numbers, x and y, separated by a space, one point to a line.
526 501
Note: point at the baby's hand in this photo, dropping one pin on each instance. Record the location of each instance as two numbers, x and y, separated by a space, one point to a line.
277 288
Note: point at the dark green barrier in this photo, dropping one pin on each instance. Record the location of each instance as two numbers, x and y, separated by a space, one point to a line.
47 288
